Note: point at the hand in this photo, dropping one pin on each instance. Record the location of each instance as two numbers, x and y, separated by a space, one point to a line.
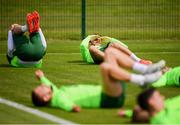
76 109
121 113
165 69
39 74
16 28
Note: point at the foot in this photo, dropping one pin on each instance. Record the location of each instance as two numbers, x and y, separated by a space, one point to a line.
33 21
36 20
150 78
146 62
155 67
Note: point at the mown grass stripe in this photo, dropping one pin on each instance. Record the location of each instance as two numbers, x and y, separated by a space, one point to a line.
134 52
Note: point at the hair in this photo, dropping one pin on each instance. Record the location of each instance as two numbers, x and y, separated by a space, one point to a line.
144 97
37 101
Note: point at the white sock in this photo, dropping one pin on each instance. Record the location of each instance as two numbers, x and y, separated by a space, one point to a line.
11 46
134 57
24 28
43 40
138 67
150 78
137 79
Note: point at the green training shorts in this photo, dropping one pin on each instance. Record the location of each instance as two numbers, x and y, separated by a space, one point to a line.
113 102
28 49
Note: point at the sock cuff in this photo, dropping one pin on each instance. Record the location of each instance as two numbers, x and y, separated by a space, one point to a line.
137 79
140 68
134 57
24 28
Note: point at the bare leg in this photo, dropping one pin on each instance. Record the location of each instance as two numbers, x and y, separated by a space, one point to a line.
125 51
121 48
112 75
130 53
116 57
96 54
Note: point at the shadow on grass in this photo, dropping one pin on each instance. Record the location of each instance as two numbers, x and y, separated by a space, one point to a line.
5 65
80 62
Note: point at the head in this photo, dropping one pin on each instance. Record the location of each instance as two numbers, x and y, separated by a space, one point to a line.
95 40
41 95
140 115
151 100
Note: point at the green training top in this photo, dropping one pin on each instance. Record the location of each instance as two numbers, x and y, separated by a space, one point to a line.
170 78
88 96
84 46
16 62
128 113
106 41
170 114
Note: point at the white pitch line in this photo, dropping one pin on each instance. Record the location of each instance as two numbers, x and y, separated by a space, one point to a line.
35 112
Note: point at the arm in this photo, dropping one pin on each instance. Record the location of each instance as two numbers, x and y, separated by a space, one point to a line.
40 75
62 101
96 53
125 113
59 100
76 109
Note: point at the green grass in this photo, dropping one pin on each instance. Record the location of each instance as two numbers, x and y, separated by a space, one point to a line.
65 67
9 115
147 27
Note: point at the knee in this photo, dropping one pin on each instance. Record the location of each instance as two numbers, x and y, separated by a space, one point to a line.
110 50
104 67
113 44
91 48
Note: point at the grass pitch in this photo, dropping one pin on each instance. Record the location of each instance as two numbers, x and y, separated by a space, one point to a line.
66 68
149 28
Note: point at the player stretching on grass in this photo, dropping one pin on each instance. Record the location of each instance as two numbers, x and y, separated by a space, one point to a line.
110 95
170 78
24 51
160 111
92 49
